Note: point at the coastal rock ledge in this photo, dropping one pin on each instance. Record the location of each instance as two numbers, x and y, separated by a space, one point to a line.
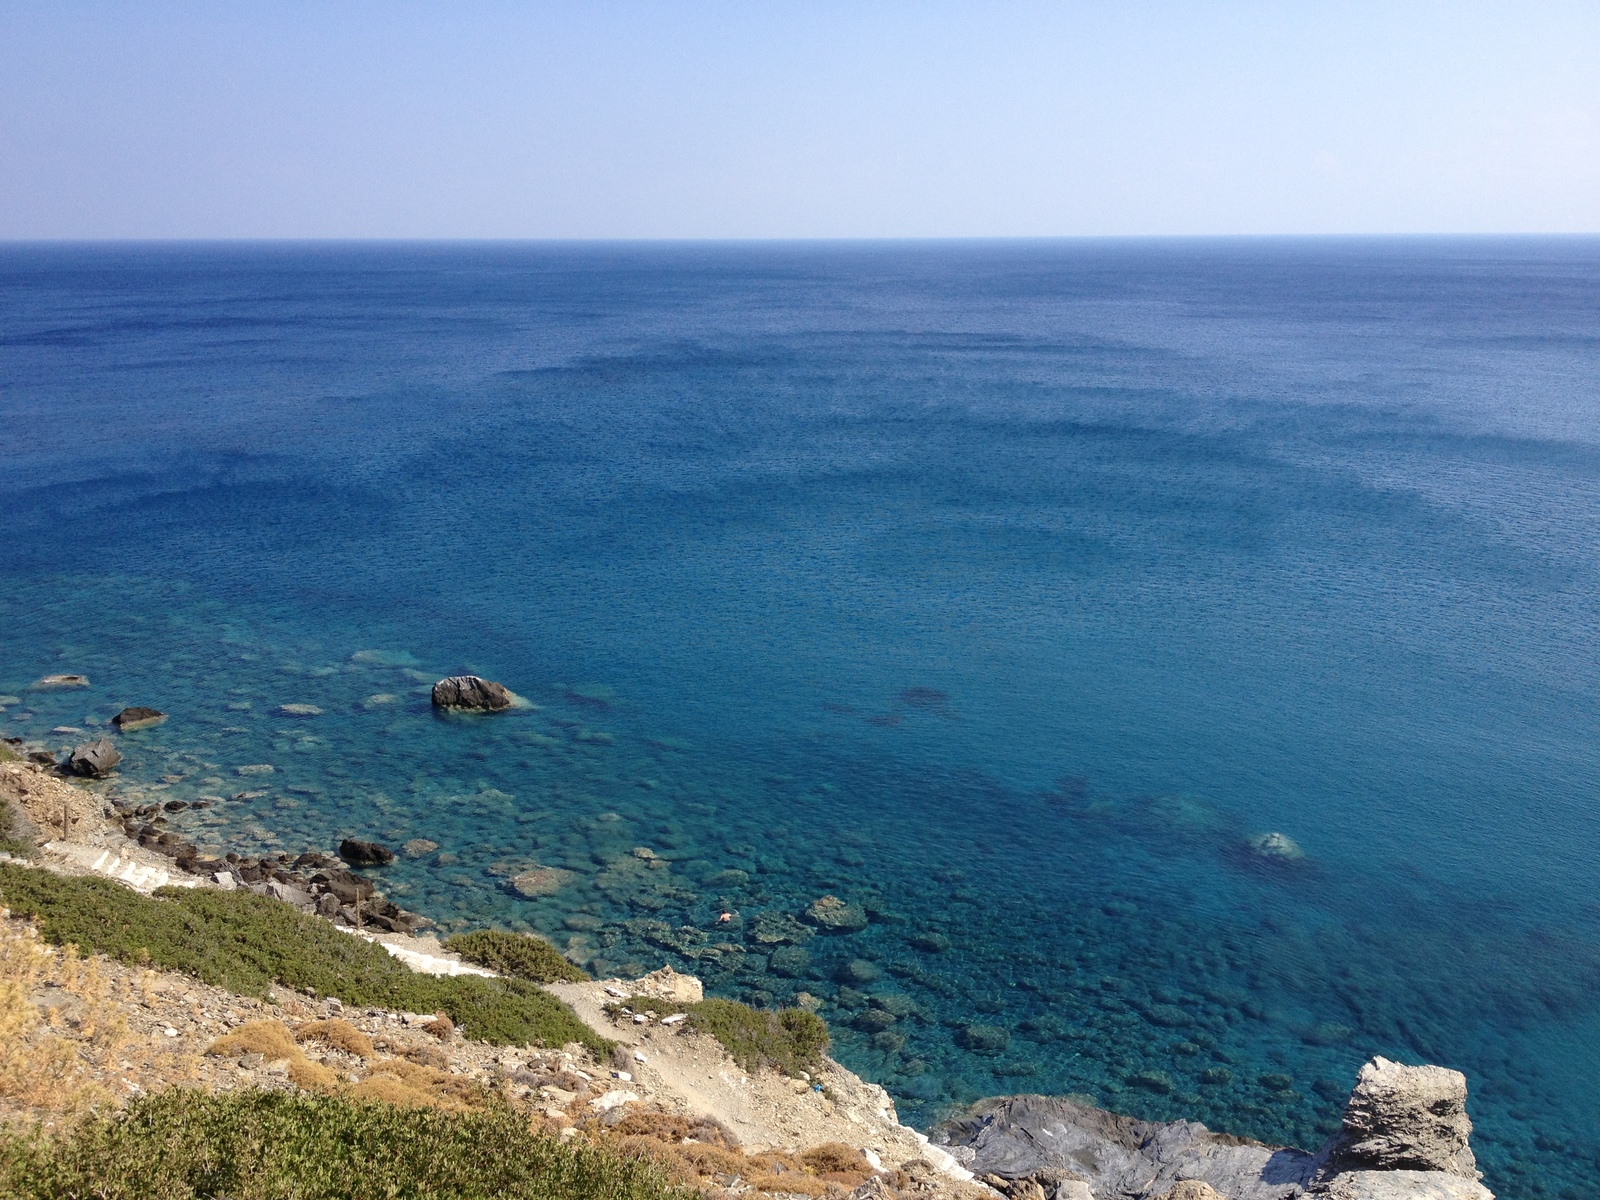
1404 1137
472 694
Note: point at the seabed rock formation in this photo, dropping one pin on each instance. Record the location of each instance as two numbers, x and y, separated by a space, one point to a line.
1404 1137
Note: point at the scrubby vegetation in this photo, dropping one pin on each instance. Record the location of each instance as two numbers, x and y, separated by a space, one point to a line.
790 1040
10 843
522 956
246 943
701 1153
183 1145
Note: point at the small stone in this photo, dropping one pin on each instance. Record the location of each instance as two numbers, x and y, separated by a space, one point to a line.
138 717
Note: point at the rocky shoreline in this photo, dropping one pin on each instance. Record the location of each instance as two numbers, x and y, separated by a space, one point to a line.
1393 1144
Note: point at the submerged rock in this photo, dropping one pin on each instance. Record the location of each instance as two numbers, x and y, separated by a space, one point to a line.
56 683
138 717
472 694
419 848
299 710
94 760
539 881
1277 847
834 915
365 854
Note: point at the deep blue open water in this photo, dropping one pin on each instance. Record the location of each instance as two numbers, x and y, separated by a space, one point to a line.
1002 590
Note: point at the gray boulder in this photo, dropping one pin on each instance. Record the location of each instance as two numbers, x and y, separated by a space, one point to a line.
471 693
290 894
1403 1118
94 760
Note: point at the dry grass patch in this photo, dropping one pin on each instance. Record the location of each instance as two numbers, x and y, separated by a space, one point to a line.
60 1027
340 1034
700 1153
270 1039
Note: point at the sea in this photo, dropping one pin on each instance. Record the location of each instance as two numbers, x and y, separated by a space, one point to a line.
1006 592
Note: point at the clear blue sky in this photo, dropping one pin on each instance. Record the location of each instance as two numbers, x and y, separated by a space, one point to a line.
801 119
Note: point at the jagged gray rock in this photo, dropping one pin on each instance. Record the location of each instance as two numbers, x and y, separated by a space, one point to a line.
1050 1137
1403 1118
1405 1137
94 760
472 693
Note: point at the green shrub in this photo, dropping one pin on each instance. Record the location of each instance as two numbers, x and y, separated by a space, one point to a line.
523 956
245 943
790 1040
182 1144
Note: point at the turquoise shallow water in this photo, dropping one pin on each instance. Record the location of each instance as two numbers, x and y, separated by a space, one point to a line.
1001 590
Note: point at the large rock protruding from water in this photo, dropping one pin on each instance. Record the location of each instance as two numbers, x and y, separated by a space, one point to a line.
94 760
1403 1118
1404 1138
471 693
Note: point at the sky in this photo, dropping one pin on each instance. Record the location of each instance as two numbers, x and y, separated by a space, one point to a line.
753 119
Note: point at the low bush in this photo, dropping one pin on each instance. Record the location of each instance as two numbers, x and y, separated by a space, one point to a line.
245 943
183 1145
520 955
790 1040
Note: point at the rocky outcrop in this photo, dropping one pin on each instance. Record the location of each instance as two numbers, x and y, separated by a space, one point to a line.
470 693
1404 1138
1406 1119
94 760
138 717
365 854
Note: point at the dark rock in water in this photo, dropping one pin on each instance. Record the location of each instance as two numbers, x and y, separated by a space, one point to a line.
471 693
1404 1138
365 854
931 943
858 971
94 760
790 961
138 717
834 915
985 1039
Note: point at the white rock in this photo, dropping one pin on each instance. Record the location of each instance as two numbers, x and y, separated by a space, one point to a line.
612 1100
